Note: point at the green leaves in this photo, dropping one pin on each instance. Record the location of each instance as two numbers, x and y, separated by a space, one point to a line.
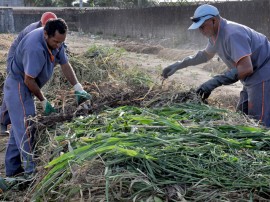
148 151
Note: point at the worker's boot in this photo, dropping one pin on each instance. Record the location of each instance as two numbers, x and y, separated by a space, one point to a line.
20 182
3 185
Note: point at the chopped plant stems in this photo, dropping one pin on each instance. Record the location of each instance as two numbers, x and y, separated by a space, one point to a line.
168 153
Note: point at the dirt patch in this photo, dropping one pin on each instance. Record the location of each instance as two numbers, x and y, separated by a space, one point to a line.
175 54
6 40
140 48
215 66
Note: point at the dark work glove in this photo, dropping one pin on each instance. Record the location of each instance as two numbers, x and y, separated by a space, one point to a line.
170 70
202 93
227 78
199 58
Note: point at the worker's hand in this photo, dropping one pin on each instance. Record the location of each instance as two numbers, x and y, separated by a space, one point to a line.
81 95
168 71
203 93
47 107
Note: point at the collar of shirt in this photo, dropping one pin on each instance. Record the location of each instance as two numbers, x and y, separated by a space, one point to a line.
222 23
51 53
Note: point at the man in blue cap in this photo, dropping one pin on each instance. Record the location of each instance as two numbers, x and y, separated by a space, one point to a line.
31 68
245 52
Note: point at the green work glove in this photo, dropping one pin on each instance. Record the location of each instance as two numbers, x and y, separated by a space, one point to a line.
81 95
47 107
3 185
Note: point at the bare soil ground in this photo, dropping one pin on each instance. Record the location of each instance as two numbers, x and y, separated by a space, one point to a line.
141 55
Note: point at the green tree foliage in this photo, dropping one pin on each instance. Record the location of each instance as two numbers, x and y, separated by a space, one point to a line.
91 3
39 3
52 3
64 3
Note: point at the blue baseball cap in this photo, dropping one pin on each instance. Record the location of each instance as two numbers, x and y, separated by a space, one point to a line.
203 13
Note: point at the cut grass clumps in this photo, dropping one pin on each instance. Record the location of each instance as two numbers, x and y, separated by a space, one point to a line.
97 65
136 78
183 152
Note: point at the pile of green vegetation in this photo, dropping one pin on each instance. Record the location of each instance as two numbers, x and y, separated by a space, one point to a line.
183 152
151 148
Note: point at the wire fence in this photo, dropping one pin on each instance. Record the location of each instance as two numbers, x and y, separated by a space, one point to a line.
154 3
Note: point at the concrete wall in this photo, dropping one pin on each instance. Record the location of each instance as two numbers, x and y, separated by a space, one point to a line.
24 16
169 24
6 20
157 22
11 3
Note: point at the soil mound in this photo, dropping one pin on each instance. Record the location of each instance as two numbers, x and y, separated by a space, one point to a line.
140 48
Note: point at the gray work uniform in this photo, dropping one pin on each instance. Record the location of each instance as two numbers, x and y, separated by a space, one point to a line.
234 42
33 58
5 119
12 49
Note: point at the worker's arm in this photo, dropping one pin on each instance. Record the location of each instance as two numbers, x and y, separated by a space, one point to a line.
69 73
33 87
244 67
227 78
200 57
80 94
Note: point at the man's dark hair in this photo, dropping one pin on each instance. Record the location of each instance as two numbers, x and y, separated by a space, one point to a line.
55 25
